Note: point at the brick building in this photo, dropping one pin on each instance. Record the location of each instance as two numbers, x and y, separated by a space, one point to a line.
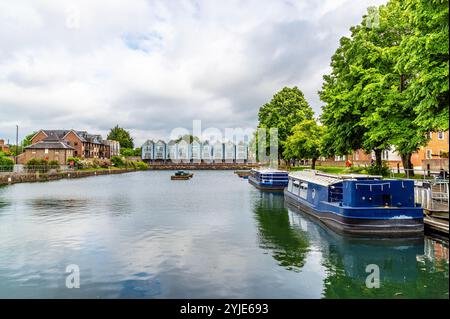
84 145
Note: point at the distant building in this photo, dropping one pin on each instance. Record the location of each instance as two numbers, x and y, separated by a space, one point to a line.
206 152
3 146
196 151
241 152
217 154
229 152
160 151
436 149
114 147
148 149
50 148
85 145
172 151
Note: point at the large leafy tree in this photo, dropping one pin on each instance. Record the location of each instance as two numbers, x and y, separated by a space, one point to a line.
366 101
122 136
304 142
425 56
287 108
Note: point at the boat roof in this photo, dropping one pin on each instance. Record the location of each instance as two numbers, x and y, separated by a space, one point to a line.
324 179
268 170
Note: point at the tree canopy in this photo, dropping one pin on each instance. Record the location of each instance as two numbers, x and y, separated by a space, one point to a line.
305 141
373 97
122 136
287 108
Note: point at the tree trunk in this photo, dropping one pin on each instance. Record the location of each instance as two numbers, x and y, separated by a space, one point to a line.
407 164
313 164
378 159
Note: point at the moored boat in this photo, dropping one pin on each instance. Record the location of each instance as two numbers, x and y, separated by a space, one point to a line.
268 179
181 175
357 204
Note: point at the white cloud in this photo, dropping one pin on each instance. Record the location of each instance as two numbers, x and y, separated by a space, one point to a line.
151 66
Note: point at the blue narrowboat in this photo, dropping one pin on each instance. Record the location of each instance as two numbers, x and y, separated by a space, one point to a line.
268 179
357 204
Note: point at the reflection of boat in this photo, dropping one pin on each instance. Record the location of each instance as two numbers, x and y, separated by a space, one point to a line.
298 242
181 175
268 179
357 204
288 247
243 173
348 261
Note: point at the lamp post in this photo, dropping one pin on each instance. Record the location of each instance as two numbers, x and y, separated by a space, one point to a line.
17 142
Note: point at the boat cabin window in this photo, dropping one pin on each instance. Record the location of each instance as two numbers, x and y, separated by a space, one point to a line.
303 190
296 185
290 185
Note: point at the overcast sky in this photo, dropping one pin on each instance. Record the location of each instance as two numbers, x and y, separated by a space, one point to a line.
151 66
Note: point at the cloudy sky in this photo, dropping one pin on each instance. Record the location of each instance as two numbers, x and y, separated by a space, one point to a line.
152 66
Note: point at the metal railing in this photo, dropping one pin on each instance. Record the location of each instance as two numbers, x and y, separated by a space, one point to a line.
24 169
420 174
432 194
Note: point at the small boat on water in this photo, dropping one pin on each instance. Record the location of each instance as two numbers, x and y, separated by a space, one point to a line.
181 175
357 204
268 179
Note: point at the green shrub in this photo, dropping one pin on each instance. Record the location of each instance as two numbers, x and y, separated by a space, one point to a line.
54 164
38 165
141 165
383 170
117 161
6 164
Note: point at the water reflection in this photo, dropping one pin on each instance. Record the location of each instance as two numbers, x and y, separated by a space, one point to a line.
288 247
413 268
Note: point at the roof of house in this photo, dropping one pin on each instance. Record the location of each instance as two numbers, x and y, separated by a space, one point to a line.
52 143
82 135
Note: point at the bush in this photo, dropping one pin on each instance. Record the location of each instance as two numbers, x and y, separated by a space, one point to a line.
142 165
384 170
54 164
75 161
117 161
38 165
6 164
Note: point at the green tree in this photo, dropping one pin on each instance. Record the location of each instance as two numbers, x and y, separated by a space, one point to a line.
366 105
287 108
122 136
305 142
27 140
425 55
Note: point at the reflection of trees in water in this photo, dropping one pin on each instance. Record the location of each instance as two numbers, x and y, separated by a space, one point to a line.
404 273
275 233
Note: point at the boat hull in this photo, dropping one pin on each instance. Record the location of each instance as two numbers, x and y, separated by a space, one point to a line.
265 186
360 226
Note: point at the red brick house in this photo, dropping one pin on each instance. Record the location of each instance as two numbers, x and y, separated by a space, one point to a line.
84 145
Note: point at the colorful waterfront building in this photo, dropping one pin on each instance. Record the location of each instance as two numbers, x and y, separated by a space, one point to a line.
218 153
160 153
148 149
206 152
241 152
229 152
196 151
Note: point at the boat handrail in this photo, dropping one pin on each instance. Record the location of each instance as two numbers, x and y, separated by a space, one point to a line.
370 185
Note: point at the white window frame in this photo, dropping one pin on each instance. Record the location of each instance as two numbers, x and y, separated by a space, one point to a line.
440 135
429 154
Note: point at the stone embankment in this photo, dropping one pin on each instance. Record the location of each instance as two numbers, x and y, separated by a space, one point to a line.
13 178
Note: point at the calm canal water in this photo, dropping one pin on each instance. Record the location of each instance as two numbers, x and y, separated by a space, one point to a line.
141 235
